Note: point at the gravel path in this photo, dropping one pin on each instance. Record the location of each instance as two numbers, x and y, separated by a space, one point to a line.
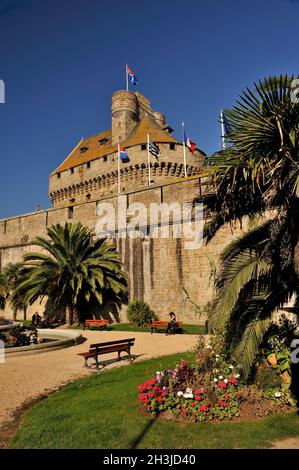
24 378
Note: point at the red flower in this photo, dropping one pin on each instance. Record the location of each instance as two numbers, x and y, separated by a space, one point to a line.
233 381
226 396
184 411
160 399
203 408
198 397
164 394
193 403
222 403
222 384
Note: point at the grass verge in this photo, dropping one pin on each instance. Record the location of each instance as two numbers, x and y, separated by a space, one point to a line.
102 412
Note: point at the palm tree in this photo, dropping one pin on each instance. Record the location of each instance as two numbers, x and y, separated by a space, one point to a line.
256 178
11 273
2 291
73 267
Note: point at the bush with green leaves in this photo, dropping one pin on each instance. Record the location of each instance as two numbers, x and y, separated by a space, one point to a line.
139 313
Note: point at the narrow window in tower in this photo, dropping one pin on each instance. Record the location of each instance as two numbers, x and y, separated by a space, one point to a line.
88 165
58 175
105 158
143 146
72 170
172 146
70 212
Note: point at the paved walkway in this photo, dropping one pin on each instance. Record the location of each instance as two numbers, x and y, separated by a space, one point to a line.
24 378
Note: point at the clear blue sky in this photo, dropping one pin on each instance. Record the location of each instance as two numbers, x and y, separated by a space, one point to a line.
62 59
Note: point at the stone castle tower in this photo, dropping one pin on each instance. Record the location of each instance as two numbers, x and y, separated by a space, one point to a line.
90 171
161 271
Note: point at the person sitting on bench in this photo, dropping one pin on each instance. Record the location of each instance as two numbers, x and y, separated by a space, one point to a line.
172 323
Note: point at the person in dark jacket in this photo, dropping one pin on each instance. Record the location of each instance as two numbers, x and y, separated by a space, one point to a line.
171 324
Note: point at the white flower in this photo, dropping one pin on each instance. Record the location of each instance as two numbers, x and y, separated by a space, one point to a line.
225 380
180 394
237 376
231 367
188 390
215 380
188 395
209 347
277 395
217 355
220 377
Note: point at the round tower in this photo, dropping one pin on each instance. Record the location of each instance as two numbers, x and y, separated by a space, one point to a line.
125 115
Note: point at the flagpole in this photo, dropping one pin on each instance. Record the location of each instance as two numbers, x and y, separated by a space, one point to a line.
127 78
184 150
148 161
118 170
222 129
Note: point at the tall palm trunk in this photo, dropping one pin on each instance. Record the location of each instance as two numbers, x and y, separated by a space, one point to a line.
68 315
15 313
25 312
75 315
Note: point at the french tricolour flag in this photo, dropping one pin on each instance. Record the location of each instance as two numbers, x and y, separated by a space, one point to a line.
191 145
131 75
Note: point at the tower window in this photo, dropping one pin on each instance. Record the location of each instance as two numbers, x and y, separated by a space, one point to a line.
58 175
88 165
72 170
70 212
83 149
143 146
172 146
105 158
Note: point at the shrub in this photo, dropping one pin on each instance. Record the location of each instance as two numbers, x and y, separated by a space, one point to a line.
139 313
266 377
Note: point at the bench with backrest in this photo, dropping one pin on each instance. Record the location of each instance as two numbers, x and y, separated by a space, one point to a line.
98 349
99 323
163 324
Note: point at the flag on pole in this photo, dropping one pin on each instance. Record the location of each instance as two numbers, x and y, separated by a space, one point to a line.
154 149
124 157
191 145
131 76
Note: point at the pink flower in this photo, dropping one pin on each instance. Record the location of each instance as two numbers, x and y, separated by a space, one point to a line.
164 394
193 403
198 397
203 408
184 411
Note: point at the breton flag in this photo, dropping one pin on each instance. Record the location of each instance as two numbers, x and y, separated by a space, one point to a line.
191 145
154 149
226 125
124 157
131 76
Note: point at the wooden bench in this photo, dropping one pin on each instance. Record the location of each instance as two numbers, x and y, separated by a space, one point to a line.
162 325
96 350
101 323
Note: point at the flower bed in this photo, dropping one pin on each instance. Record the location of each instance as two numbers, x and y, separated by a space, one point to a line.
209 389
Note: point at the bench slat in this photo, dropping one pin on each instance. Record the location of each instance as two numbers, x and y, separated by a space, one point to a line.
97 345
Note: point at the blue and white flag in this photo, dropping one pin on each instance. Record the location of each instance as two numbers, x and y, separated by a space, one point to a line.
153 149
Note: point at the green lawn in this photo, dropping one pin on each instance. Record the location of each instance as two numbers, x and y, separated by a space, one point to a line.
186 329
102 412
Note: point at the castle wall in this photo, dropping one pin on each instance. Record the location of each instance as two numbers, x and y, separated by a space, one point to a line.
159 269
